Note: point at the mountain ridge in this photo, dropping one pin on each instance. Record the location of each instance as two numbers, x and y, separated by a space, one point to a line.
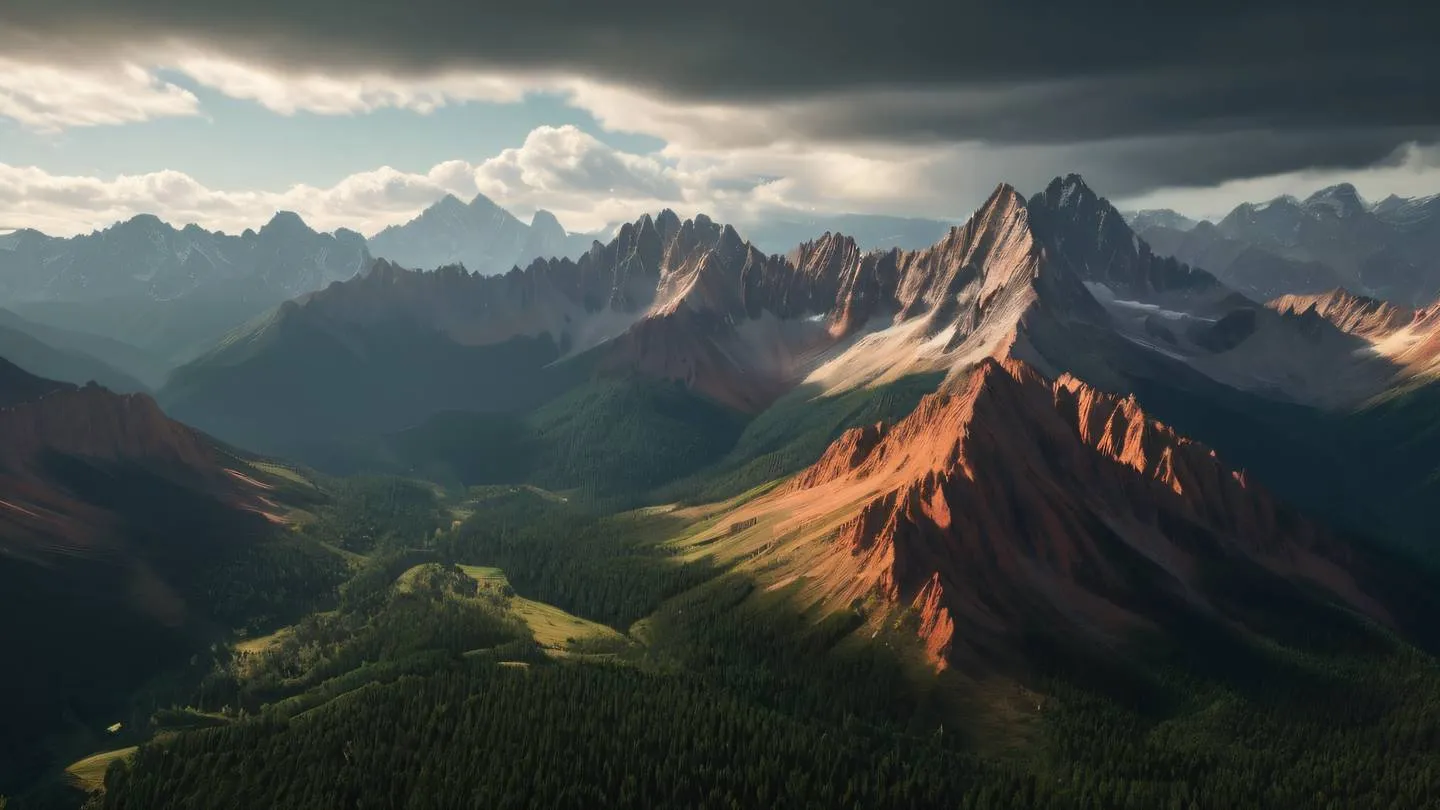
21 344
692 301
1333 237
1407 336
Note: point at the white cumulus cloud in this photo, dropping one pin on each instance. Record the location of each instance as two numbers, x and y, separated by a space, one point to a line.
50 98
586 183
289 93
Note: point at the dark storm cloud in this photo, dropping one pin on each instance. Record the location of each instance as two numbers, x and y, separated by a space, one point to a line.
1127 168
1339 81
763 49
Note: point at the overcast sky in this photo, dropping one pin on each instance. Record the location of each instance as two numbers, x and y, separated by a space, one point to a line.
360 113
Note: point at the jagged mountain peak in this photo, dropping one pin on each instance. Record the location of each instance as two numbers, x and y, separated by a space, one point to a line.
382 268
1090 235
667 221
1391 201
145 221
484 204
480 234
730 239
1360 315
544 220
1071 196
1004 199
1277 208
827 242
449 202
1340 190
1409 213
286 221
1070 191
1144 220
1059 281
448 208
1342 198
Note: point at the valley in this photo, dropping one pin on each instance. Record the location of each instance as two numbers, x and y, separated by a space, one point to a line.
421 662
1035 516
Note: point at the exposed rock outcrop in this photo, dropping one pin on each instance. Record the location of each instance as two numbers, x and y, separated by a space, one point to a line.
1408 337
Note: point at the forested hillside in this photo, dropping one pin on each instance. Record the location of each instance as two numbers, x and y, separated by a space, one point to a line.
436 682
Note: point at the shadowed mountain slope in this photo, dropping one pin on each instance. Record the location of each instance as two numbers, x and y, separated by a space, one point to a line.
110 516
1007 503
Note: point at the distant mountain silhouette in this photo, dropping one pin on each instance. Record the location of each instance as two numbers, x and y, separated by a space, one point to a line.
169 292
480 235
1333 238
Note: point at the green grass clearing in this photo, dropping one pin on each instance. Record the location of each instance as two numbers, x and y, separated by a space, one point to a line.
260 644
485 574
89 773
552 627
281 471
476 495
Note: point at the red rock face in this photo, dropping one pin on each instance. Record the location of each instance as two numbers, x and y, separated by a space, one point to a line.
1011 501
42 520
94 423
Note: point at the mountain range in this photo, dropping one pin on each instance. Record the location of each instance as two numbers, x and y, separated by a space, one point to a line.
168 292
693 302
1333 238
480 235
147 296
360 375
73 357
1035 452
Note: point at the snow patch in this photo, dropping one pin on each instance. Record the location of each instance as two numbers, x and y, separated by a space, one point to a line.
1106 296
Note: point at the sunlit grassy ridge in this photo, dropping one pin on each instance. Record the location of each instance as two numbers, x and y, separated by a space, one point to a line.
552 627
89 773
